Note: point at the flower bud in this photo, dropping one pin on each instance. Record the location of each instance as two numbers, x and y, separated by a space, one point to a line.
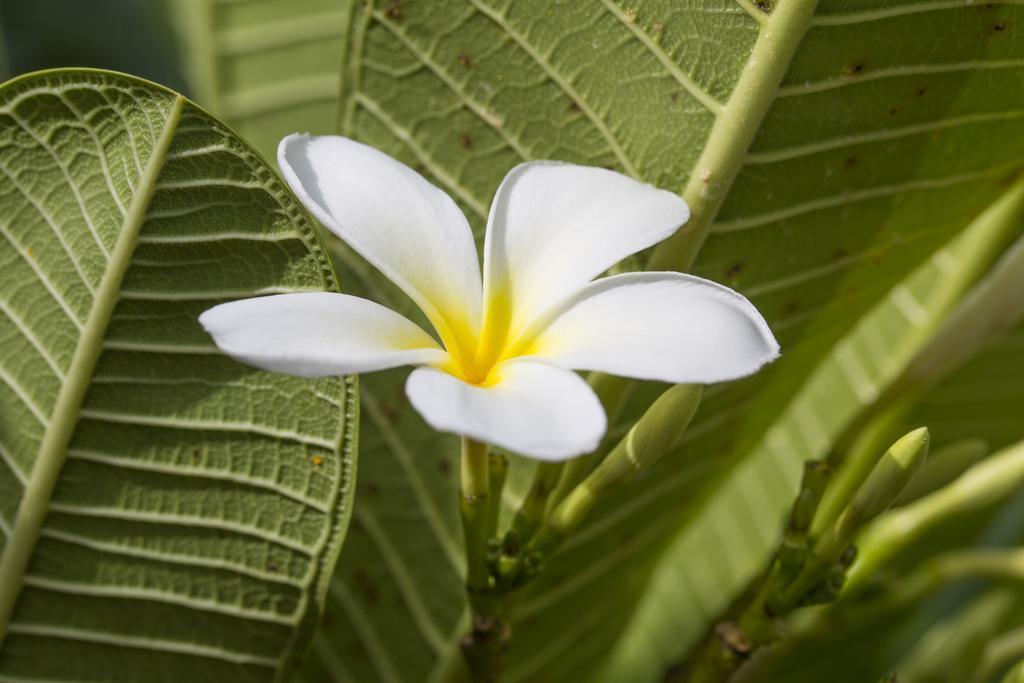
886 481
654 434
942 467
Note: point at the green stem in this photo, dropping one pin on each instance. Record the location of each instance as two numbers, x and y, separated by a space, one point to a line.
572 473
612 391
756 625
483 648
853 464
497 472
654 434
474 500
530 515
734 130
1000 655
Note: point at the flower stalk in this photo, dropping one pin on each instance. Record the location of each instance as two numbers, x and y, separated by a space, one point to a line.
888 478
530 515
483 647
808 568
497 472
475 487
656 433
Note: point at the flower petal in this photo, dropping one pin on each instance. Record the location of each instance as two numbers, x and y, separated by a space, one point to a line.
535 409
406 227
553 227
662 326
316 334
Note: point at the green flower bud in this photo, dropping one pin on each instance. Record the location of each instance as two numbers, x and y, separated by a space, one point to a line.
942 467
890 476
887 480
654 434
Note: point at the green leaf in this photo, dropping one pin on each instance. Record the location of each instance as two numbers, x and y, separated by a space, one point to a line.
167 514
268 68
816 197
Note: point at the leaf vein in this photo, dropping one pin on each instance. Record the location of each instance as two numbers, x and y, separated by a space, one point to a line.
683 78
748 222
562 82
136 642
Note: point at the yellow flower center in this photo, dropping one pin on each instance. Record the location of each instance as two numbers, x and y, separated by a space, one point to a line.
475 359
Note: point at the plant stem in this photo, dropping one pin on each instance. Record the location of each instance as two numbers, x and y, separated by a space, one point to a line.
484 646
530 515
734 130
854 463
612 391
475 482
732 642
497 472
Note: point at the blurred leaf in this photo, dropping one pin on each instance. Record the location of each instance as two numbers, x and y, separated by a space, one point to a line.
267 67
167 514
122 35
949 651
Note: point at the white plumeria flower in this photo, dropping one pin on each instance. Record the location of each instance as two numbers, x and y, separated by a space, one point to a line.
509 342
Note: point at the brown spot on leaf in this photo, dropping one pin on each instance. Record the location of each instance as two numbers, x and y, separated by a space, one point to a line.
371 489
631 16
735 270
850 161
390 411
840 254
317 460
393 10
854 69
366 589
765 6
1010 178
574 107
465 60
998 27
658 26
444 467
921 91
465 140
790 308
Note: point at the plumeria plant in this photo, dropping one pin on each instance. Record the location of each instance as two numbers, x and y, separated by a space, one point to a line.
500 370
583 341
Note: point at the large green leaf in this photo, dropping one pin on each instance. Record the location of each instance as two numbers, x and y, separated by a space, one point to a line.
893 127
167 514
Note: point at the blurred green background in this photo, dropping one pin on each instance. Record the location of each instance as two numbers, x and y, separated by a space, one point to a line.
122 35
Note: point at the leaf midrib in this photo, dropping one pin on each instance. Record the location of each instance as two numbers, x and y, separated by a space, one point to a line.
52 452
734 129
